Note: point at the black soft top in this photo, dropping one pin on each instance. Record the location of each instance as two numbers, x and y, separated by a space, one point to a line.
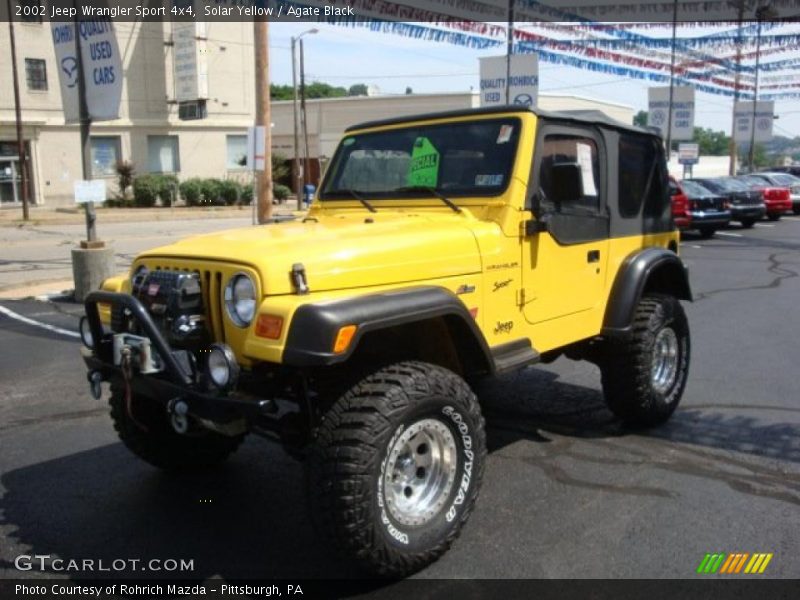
584 117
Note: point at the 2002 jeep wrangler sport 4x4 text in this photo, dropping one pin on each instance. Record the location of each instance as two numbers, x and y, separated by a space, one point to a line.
440 248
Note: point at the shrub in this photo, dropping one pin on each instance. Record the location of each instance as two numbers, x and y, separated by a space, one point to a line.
280 192
229 191
192 191
212 192
247 195
145 190
167 189
125 173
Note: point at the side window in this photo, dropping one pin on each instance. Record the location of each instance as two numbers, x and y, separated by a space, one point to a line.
639 174
561 149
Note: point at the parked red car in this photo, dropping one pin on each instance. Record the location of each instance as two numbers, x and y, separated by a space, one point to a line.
680 205
777 199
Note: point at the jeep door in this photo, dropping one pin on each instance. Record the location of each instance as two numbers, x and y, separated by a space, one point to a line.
564 256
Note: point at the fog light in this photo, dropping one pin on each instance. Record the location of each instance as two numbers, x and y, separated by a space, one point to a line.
221 367
86 333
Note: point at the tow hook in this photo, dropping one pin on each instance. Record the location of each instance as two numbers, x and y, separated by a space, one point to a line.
95 380
178 410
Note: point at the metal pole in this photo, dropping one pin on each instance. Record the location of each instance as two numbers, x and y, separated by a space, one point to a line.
671 78
303 118
86 149
18 115
732 146
752 154
509 49
263 178
298 176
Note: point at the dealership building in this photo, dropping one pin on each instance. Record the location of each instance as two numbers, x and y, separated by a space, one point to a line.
205 137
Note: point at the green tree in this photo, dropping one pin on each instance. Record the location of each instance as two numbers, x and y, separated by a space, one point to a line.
711 142
409 91
640 119
358 89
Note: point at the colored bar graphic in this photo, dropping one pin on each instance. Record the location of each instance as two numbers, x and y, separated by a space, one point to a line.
730 564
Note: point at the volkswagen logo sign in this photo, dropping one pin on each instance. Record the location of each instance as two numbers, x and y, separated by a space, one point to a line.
523 99
70 66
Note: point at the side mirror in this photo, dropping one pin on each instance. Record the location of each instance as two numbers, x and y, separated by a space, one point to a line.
540 225
566 182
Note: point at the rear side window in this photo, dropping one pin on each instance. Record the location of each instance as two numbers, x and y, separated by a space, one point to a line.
641 176
582 151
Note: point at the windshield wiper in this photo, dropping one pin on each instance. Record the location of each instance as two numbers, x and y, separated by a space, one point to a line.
429 189
354 194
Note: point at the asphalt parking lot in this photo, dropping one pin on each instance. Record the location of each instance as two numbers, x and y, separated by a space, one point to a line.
568 493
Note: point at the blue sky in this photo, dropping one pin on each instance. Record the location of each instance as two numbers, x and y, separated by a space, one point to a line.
343 56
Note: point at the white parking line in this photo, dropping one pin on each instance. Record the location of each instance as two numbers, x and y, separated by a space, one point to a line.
729 234
11 314
765 225
791 218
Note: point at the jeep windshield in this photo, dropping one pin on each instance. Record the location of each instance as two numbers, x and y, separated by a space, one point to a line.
457 159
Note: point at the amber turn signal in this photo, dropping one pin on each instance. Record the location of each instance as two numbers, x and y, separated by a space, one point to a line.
269 326
343 339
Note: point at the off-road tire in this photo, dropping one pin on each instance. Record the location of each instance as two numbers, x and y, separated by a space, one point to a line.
748 223
796 210
627 371
348 461
150 436
774 216
707 232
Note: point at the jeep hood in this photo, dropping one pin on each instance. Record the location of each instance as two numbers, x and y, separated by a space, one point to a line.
343 251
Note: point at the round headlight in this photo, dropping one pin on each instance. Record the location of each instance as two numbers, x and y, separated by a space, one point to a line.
86 333
240 299
221 366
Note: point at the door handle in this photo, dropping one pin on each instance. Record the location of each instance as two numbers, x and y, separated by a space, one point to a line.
593 256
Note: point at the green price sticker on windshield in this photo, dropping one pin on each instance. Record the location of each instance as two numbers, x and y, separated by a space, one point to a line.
424 168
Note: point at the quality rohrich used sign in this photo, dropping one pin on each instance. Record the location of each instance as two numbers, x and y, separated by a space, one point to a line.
102 71
524 80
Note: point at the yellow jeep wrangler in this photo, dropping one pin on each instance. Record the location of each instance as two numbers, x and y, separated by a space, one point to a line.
439 248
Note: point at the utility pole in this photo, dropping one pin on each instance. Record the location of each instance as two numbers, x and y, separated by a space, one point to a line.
298 176
263 178
86 149
671 79
509 49
23 163
307 158
732 146
751 159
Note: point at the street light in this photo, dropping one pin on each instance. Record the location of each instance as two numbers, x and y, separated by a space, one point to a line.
298 177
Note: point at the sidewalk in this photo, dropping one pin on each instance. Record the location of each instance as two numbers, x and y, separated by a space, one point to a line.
12 217
36 256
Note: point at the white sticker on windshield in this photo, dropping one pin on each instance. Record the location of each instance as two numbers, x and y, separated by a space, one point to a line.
587 170
489 180
505 133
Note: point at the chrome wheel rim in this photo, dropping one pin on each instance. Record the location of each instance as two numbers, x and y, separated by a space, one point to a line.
664 370
420 472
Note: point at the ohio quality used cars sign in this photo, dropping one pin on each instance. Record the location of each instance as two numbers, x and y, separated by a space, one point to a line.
682 111
102 71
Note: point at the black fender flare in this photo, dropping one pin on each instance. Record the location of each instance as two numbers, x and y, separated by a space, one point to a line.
652 269
314 326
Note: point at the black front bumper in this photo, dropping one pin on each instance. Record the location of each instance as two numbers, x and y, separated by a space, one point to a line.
178 380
